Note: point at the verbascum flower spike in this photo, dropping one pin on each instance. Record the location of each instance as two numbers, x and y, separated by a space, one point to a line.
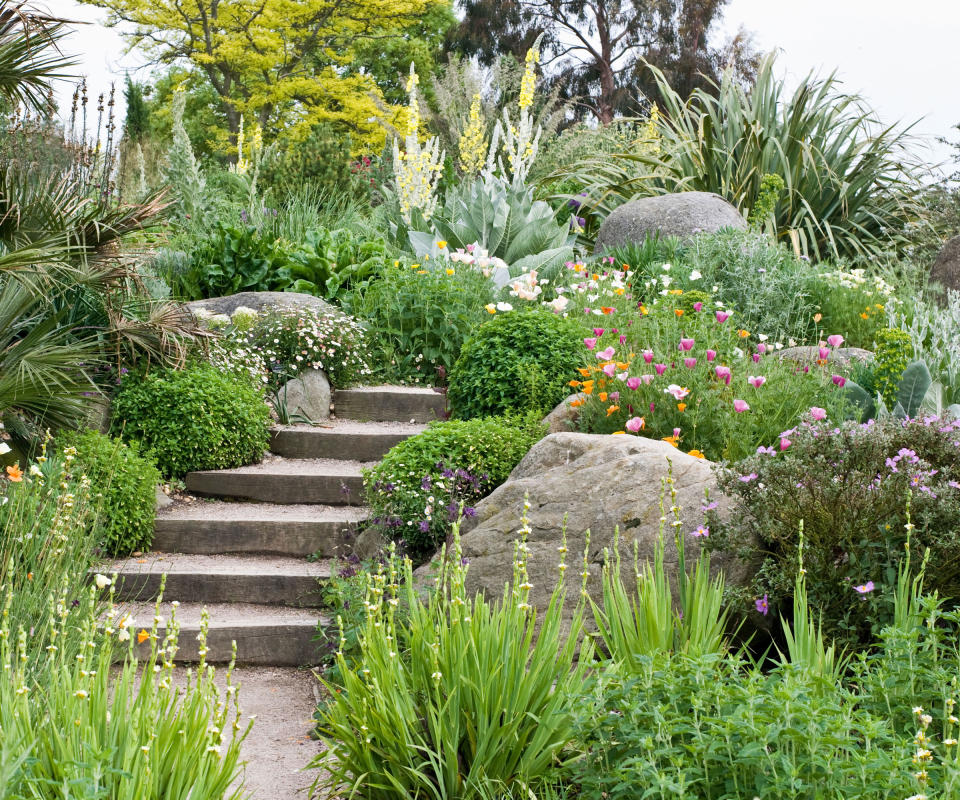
473 141
417 167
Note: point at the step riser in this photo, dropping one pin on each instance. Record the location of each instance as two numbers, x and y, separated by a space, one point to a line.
345 446
289 590
280 488
209 537
268 646
387 407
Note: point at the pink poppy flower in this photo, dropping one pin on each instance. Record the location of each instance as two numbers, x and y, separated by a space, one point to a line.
698 306
740 406
711 354
689 363
686 344
835 340
839 380
660 368
723 316
623 338
633 383
723 373
606 354
634 424
598 331
818 413
756 381
784 444
678 392
761 348
647 379
823 353
610 370
756 358
590 342
647 356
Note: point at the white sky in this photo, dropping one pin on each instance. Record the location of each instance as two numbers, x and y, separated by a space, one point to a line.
904 57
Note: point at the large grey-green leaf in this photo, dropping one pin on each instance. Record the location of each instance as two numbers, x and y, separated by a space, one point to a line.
547 264
913 386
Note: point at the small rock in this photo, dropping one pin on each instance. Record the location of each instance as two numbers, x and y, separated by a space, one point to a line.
684 214
564 417
945 272
307 396
162 500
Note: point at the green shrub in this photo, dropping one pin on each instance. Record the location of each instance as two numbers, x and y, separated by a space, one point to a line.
416 491
516 362
892 352
418 319
847 487
192 419
123 485
457 699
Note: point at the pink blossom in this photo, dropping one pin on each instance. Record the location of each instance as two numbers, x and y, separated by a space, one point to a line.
660 368
740 406
835 340
698 306
756 381
614 397
723 373
686 344
607 354
784 444
723 316
609 370
633 383
647 379
823 353
818 413
756 358
761 348
678 392
647 356
623 338
590 342
864 588
700 531
634 424
689 363
598 331
839 380
711 354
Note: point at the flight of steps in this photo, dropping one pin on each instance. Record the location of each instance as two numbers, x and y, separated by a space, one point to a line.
244 555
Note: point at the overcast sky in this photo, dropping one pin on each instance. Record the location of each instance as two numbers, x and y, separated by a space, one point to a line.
904 57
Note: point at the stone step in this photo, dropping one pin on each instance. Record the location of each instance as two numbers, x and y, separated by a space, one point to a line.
341 439
390 404
221 579
277 636
213 526
285 481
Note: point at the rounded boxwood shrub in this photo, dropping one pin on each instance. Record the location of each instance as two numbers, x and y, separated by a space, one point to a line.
516 362
193 419
123 485
415 493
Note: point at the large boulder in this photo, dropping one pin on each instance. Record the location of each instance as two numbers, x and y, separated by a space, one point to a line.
307 396
596 482
684 214
945 271
260 301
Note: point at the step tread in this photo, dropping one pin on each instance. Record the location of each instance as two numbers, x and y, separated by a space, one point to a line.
424 391
198 564
336 426
222 615
303 467
226 511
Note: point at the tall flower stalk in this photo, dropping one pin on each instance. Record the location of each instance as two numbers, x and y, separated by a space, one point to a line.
520 142
417 167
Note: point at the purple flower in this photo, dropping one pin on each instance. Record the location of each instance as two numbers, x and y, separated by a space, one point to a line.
700 531
762 605
424 526
710 506
426 483
747 478
469 511
864 588
766 451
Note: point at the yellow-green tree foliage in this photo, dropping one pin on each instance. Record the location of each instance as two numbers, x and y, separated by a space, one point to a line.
261 55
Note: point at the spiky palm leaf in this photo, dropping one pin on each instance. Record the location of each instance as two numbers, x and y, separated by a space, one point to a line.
29 54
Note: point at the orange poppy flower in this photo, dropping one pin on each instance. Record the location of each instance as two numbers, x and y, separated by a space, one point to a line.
743 334
675 292
623 364
678 312
695 454
143 636
603 397
576 403
607 309
864 316
681 407
14 473
584 371
574 384
587 387
618 292
817 317
612 410
671 440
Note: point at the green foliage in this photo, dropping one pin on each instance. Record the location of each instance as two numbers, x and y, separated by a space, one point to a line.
457 699
893 348
332 263
913 387
416 492
851 185
418 319
136 124
192 419
935 333
321 161
516 362
771 187
123 486
847 488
